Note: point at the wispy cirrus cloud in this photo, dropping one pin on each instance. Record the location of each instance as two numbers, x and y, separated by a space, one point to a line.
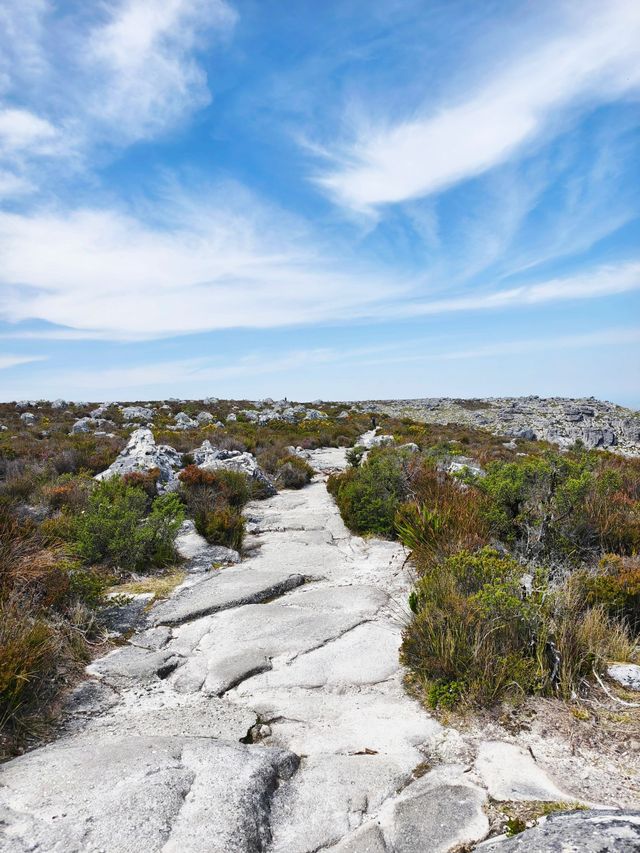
7 361
141 57
129 71
594 60
232 262
605 280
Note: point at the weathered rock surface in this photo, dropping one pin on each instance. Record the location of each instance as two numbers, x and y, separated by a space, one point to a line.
142 794
200 556
183 421
143 454
230 588
602 831
137 413
211 458
509 773
560 420
626 674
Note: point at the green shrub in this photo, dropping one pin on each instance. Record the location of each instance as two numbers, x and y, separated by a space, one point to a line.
293 472
369 496
354 455
563 507
475 636
615 584
29 650
222 526
114 528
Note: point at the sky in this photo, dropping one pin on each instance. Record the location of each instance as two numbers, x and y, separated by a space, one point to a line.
345 199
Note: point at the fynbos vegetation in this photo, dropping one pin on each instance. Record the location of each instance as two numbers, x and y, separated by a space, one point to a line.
528 574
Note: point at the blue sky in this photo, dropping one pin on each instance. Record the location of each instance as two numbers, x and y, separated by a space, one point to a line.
339 199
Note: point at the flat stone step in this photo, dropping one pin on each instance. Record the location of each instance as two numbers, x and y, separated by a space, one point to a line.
227 588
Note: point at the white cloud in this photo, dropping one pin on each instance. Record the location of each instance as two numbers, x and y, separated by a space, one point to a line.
213 268
605 337
146 77
7 361
116 73
595 60
21 129
607 280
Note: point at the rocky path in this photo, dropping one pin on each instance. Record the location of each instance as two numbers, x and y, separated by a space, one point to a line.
263 709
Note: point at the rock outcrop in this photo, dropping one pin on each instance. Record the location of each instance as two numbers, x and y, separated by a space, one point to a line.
562 421
211 458
602 831
143 454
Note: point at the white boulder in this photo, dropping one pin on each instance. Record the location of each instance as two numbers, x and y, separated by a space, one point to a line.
143 454
625 674
211 458
136 413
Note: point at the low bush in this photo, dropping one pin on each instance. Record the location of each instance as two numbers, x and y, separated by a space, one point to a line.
288 470
476 636
145 480
354 455
615 584
563 507
69 491
29 654
220 485
369 496
293 472
46 604
222 526
114 528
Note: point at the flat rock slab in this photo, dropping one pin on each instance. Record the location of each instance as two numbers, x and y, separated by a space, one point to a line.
132 664
141 794
228 647
602 831
345 661
381 719
227 588
510 773
436 817
626 674
328 797
161 711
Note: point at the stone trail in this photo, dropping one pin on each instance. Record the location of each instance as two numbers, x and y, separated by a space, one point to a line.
264 710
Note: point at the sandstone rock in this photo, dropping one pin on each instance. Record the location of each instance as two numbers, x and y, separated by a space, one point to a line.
371 439
462 464
626 674
122 618
229 588
527 434
602 831
314 415
210 458
183 421
137 413
142 454
510 773
28 418
82 426
205 418
198 553
437 814
141 794
59 404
